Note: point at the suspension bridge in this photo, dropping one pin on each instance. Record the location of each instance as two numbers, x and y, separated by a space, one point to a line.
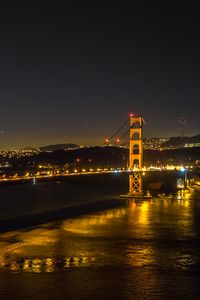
133 129
135 163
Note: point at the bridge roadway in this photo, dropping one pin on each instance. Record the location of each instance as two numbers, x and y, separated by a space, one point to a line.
34 177
28 177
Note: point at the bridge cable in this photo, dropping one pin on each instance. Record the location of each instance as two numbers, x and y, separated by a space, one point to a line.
118 131
122 136
123 125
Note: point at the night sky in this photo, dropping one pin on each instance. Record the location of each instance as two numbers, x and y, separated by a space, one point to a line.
72 71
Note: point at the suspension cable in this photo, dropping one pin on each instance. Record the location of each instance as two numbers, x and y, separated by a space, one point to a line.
123 125
116 132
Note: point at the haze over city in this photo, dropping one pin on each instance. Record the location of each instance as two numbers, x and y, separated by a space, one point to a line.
72 72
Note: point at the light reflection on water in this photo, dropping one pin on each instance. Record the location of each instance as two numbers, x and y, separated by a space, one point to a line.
160 234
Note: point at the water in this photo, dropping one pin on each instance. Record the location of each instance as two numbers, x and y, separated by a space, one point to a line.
138 250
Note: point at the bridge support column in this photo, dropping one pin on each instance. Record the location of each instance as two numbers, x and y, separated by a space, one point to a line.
136 155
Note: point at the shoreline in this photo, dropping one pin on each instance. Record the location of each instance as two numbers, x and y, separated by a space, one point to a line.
69 212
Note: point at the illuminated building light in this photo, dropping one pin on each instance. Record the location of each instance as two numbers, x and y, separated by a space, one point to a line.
49 265
26 265
180 183
14 266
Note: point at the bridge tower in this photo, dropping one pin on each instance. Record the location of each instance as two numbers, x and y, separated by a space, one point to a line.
136 155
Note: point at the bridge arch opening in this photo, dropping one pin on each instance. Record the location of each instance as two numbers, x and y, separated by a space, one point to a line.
136 124
136 136
136 163
136 149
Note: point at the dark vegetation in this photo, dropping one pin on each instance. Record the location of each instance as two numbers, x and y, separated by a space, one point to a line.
109 156
101 157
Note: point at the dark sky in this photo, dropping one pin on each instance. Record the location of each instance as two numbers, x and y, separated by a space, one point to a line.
72 71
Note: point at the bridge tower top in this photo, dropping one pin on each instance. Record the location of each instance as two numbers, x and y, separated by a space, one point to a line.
136 143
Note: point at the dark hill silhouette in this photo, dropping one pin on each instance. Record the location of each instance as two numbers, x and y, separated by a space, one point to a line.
179 141
58 147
